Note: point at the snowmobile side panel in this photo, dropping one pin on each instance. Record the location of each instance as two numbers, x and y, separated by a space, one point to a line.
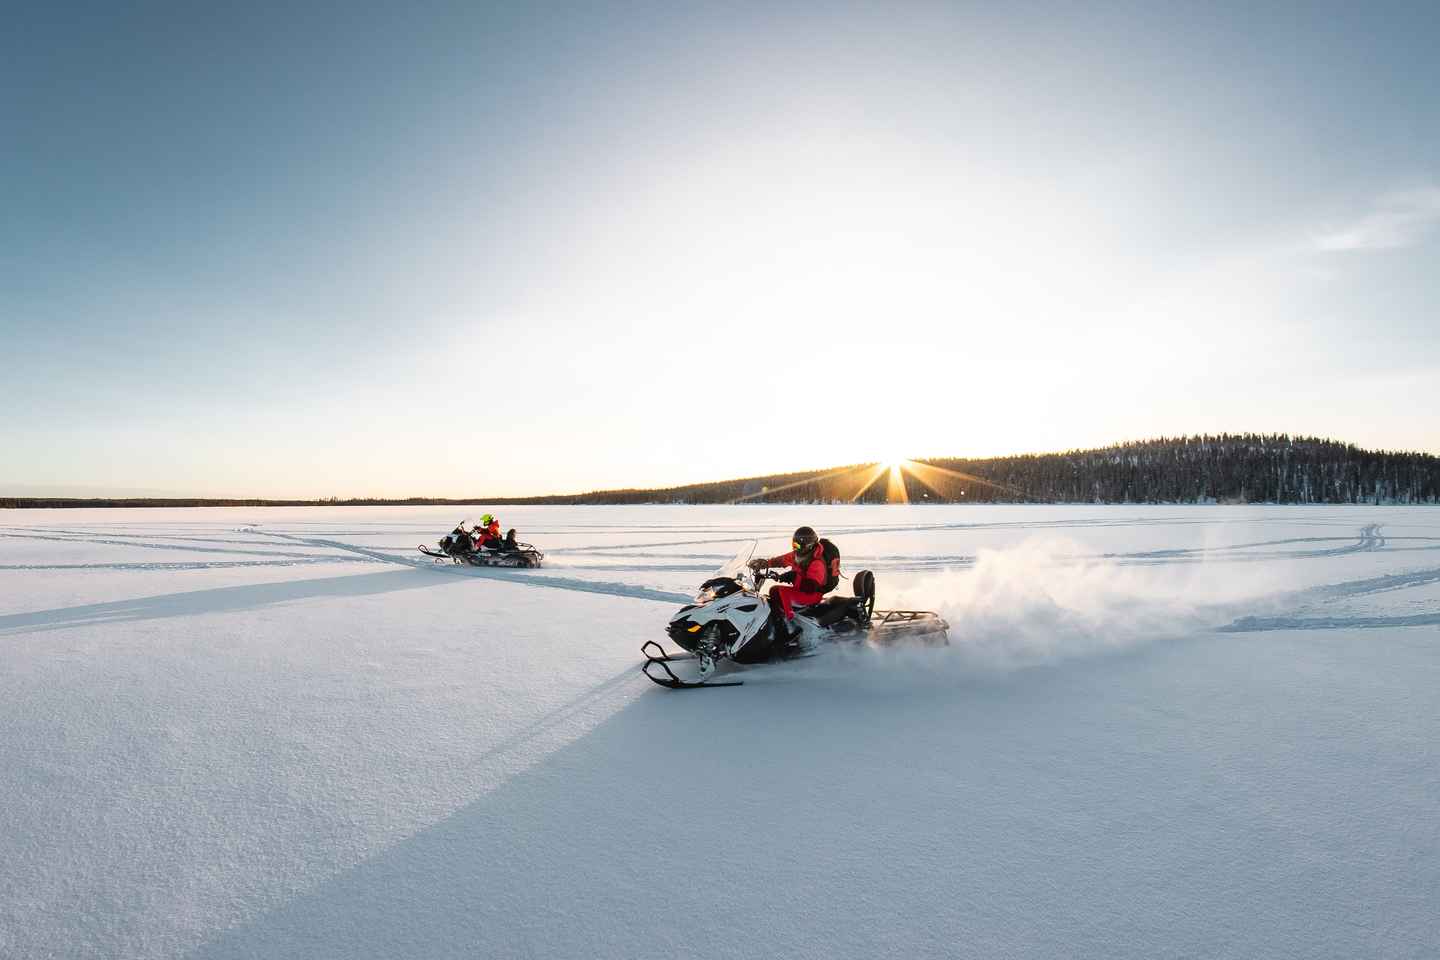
520 559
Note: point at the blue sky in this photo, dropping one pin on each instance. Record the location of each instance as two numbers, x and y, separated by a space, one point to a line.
451 249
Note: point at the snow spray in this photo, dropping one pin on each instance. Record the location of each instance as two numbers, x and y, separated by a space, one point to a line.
1046 600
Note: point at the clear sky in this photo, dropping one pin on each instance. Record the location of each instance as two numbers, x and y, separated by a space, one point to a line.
344 249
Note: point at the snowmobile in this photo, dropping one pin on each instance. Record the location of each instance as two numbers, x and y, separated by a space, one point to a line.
459 546
731 621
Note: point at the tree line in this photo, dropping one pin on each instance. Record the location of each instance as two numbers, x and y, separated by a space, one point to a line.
1227 468
1224 468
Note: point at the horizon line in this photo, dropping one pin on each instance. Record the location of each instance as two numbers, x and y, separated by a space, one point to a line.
8 501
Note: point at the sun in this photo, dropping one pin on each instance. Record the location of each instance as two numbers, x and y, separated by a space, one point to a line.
893 462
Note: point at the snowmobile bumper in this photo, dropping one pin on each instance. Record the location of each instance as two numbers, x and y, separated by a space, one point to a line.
683 633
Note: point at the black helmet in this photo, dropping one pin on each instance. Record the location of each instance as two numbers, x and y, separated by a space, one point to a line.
803 540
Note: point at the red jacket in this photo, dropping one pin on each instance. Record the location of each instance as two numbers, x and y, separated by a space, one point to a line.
809 574
491 532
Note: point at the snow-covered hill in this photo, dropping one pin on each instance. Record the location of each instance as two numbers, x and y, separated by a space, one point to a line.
1158 732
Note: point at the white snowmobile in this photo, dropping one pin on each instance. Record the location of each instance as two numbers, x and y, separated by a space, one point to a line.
459 546
731 621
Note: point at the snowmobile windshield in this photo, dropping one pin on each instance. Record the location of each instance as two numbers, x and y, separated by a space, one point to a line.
738 564
721 582
467 524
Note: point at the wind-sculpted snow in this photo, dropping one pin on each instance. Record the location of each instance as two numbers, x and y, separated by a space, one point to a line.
1158 732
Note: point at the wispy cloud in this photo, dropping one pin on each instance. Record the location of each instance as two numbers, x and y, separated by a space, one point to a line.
1396 220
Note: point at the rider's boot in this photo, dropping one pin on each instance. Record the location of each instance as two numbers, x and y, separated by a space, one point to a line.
788 633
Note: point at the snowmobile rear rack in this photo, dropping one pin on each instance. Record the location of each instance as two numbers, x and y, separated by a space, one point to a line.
908 623
660 658
881 618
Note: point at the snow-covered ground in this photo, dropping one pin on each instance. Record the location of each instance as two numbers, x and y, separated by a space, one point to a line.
1158 732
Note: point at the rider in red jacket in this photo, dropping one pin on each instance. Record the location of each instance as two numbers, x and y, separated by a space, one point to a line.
804 583
487 534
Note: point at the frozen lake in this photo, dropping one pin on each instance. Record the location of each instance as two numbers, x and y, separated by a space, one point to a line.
1158 732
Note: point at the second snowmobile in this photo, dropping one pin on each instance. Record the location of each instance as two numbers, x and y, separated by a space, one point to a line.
459 546
731 621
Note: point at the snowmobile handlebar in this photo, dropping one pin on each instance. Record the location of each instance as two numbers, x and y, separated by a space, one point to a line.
765 572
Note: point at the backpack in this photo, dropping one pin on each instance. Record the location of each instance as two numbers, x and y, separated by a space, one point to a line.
831 555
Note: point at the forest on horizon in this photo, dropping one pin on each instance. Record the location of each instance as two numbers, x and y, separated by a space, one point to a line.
1224 468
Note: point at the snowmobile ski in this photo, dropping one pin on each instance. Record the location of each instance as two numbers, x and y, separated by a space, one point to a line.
662 658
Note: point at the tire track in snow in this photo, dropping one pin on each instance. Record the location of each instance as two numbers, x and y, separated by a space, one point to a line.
855 531
197 565
159 546
212 600
1372 585
83 535
1368 539
601 548
1261 624
1331 593
531 578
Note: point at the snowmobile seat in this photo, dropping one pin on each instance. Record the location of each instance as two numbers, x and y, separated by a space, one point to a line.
507 545
832 610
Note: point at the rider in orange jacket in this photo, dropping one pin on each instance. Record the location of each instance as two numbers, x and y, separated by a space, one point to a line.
487 533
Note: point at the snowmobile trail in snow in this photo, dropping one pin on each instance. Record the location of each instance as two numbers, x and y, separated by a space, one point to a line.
511 575
1262 624
227 599
181 565
150 544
